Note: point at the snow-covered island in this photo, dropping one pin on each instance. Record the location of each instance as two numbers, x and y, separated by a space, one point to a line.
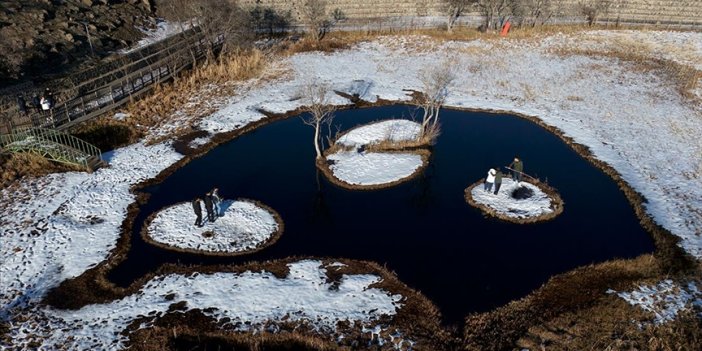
633 120
522 202
243 227
376 155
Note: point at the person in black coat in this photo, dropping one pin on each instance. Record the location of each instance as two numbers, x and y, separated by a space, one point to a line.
198 212
36 103
21 105
209 206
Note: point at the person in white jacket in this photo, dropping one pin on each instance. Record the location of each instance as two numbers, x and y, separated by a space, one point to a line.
490 179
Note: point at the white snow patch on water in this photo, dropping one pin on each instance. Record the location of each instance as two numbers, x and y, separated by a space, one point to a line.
536 205
249 299
243 226
395 130
370 168
665 300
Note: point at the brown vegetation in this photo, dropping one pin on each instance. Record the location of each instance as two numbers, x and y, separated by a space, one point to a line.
181 95
271 240
556 203
107 133
20 165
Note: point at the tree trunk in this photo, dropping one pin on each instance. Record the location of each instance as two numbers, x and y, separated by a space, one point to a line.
316 140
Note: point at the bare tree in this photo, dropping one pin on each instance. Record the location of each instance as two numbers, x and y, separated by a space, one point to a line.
221 22
494 12
534 12
317 20
321 111
436 82
455 9
592 9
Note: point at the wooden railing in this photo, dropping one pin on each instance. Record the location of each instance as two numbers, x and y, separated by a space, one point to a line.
54 145
120 86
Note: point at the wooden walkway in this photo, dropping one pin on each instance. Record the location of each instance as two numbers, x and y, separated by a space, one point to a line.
116 87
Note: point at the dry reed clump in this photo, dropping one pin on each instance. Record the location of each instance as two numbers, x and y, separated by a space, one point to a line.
613 324
574 293
331 44
19 165
184 94
107 133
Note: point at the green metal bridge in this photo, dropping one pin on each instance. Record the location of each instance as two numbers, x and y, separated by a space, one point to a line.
53 145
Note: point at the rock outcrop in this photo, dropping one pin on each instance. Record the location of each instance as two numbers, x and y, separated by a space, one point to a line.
46 36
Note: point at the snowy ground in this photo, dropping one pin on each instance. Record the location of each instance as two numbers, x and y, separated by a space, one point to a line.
372 168
243 226
249 299
163 30
56 227
376 168
666 299
504 204
395 130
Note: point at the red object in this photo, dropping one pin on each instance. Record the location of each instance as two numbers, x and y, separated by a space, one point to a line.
505 29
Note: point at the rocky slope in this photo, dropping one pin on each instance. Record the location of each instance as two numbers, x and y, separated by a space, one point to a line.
48 36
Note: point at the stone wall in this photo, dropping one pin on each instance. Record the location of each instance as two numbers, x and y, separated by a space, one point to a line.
649 11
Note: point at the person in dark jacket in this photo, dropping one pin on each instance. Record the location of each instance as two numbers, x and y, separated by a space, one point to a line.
517 168
216 200
209 207
198 212
36 103
21 105
498 180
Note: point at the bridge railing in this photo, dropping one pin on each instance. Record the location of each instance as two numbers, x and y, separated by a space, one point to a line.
117 91
53 144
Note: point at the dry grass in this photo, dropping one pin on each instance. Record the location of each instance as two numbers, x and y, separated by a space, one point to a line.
107 133
571 292
215 80
612 324
20 165
685 78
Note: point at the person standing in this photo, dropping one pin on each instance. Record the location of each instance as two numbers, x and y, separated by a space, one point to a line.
21 104
36 103
498 180
209 207
198 212
517 168
216 200
489 180
49 98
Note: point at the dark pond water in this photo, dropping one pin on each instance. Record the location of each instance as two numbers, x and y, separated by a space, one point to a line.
423 229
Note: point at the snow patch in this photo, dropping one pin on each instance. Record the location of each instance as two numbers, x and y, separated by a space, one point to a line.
249 300
162 31
396 130
536 205
371 168
665 300
243 226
